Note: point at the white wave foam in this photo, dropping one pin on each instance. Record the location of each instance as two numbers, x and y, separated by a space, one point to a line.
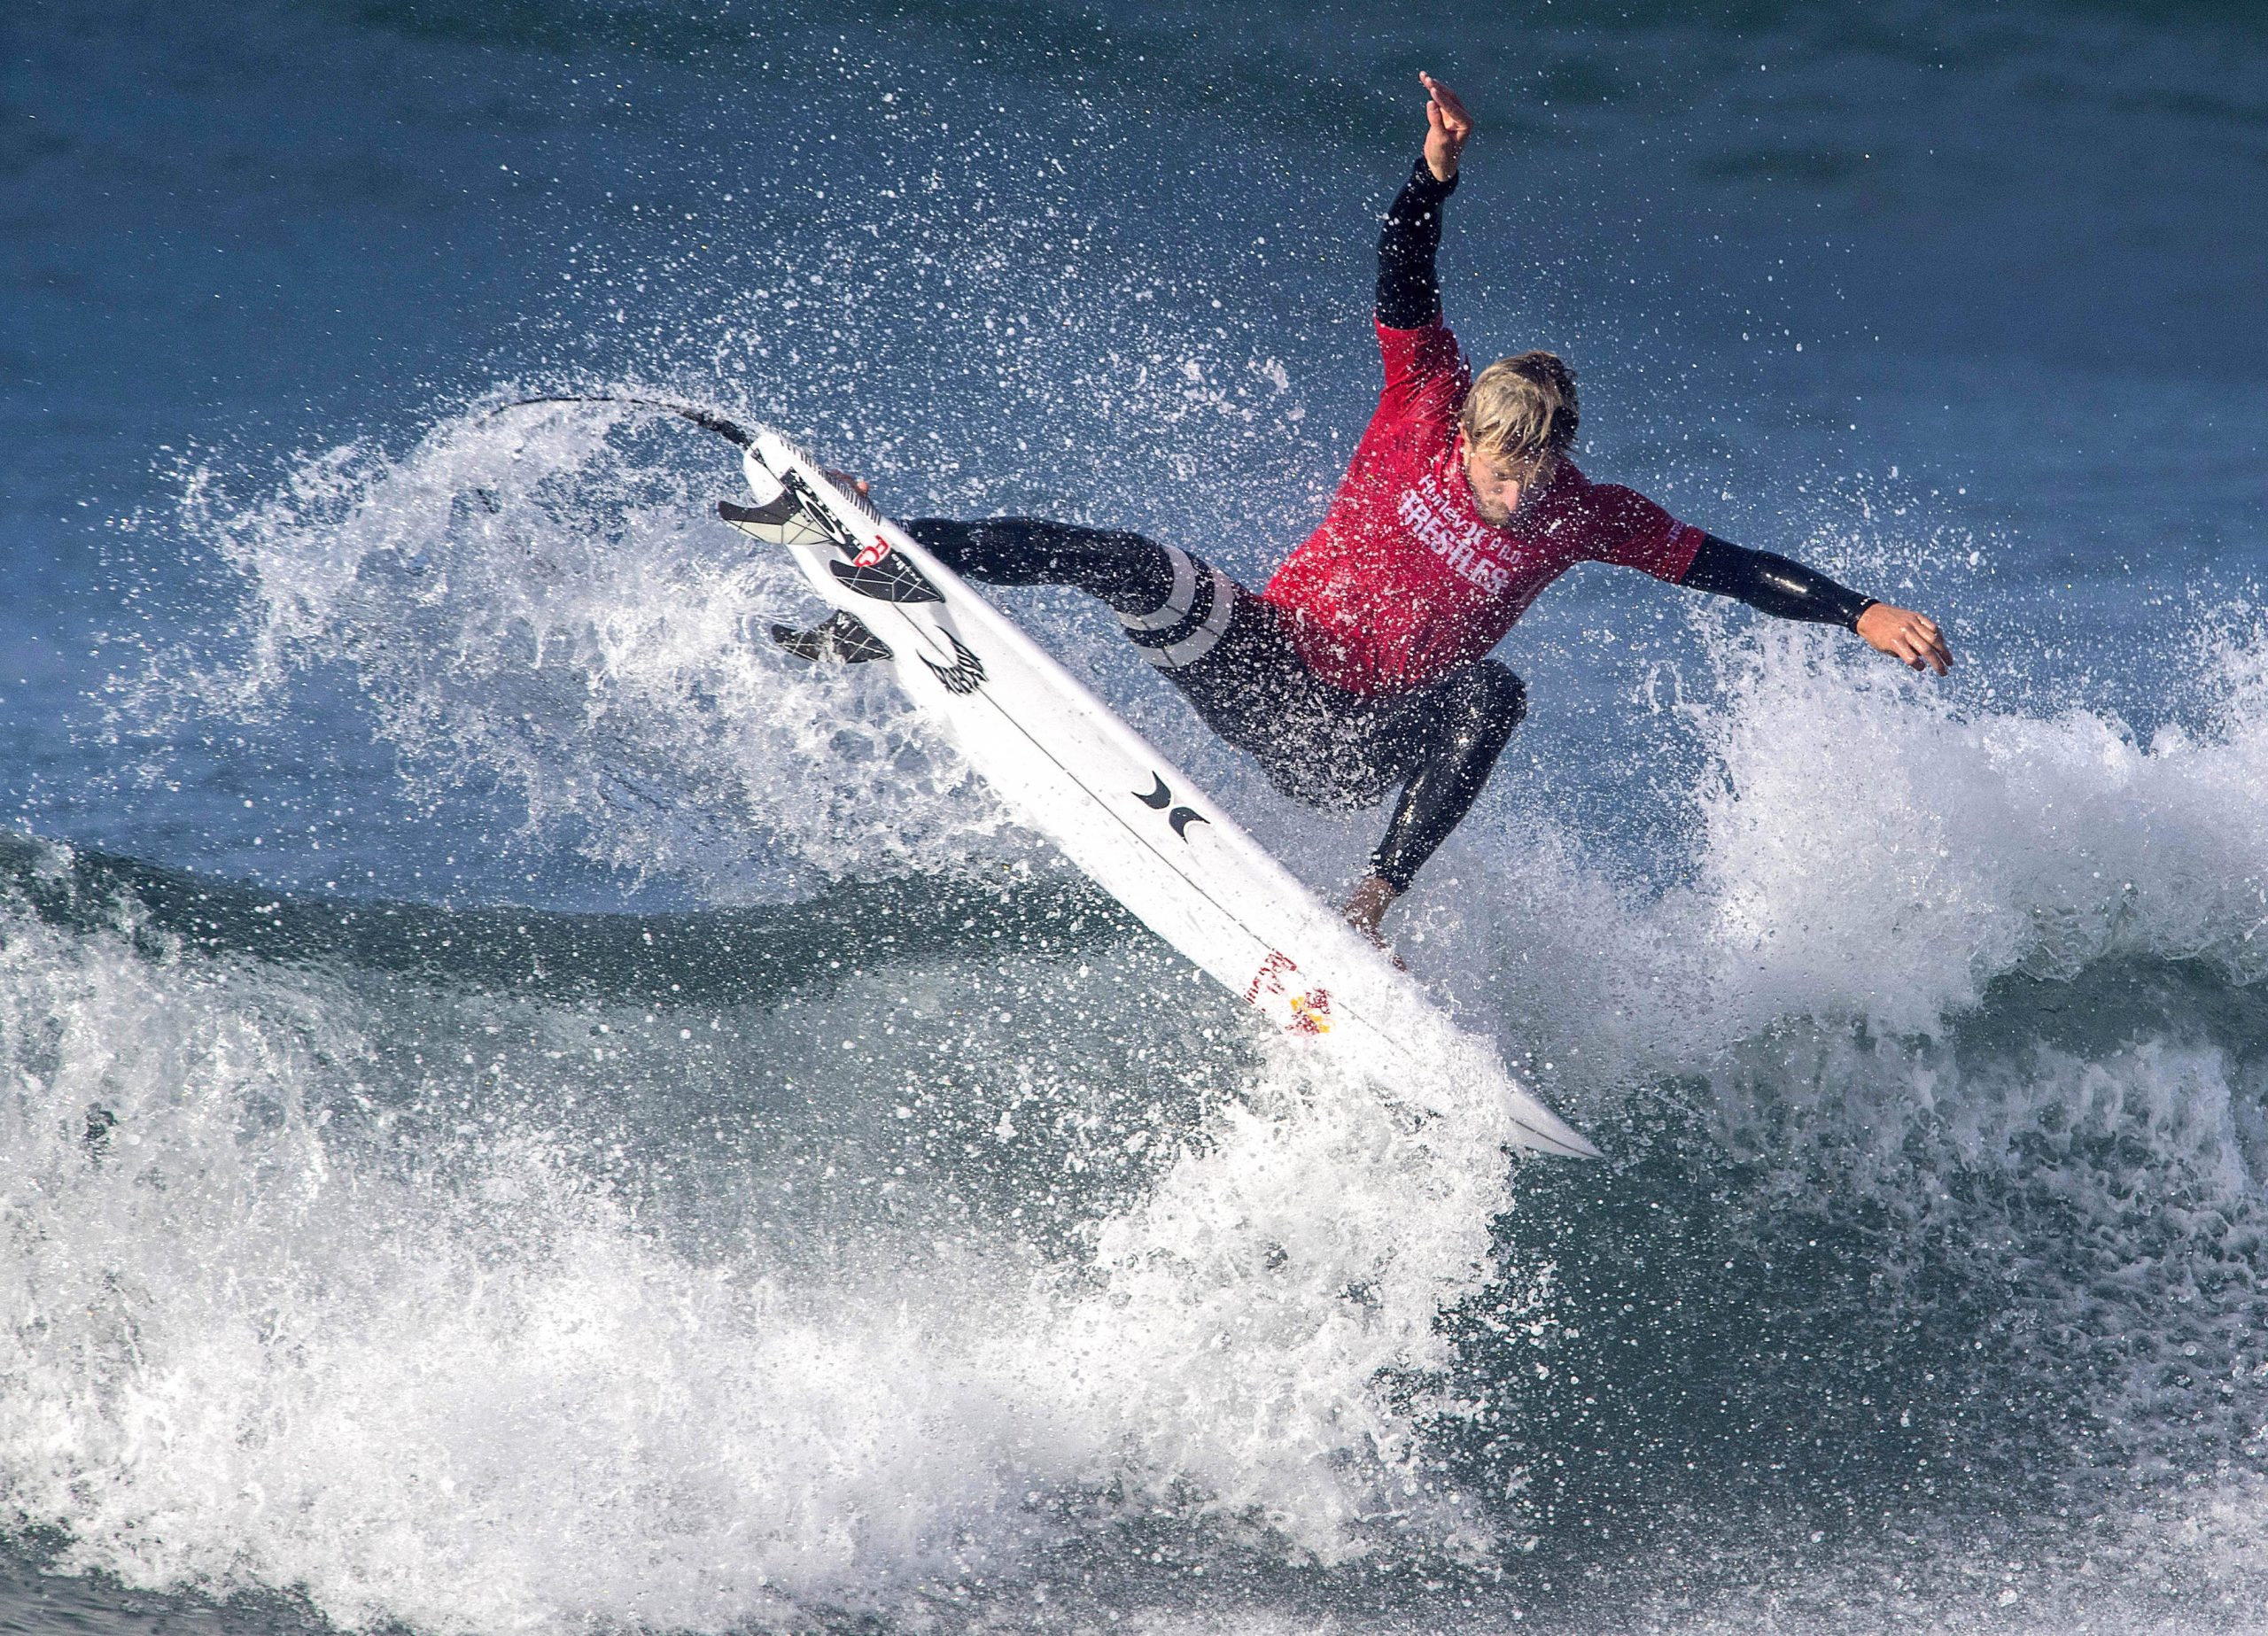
1869 849
1874 847
542 602
294 1321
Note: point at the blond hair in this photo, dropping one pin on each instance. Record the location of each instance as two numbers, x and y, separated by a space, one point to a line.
1522 408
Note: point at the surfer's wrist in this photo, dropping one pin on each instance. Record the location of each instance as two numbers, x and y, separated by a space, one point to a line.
1424 187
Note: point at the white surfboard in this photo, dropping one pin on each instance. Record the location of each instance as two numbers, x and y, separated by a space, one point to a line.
1119 810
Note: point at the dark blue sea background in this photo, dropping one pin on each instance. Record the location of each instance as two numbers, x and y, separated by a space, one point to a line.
523 1109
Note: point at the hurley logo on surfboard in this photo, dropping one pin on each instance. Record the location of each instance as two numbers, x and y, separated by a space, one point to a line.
1180 817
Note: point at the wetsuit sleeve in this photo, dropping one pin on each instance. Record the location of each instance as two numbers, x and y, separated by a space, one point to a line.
1773 584
1410 289
1420 356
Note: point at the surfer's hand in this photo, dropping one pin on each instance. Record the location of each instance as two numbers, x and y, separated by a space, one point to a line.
1366 906
1447 129
1905 635
845 481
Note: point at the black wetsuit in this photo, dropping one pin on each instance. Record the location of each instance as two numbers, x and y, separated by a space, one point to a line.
1226 649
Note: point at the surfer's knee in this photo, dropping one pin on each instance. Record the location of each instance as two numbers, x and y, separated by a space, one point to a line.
1182 613
1486 703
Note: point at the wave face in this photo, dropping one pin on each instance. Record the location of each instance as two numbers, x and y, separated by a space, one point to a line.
523 1108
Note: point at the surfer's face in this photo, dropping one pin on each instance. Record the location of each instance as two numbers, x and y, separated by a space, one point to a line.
1499 480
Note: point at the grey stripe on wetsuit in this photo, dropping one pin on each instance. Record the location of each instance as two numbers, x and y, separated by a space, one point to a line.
1192 619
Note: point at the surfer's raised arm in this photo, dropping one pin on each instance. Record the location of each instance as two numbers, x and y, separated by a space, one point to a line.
1409 288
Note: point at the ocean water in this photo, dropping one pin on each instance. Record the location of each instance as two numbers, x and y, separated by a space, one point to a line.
521 1109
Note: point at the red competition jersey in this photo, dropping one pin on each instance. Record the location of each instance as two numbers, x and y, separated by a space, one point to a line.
1404 582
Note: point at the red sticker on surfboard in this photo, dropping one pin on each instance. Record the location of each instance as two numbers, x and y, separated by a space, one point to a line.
1310 1011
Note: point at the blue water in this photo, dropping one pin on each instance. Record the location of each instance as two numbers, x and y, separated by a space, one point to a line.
524 1110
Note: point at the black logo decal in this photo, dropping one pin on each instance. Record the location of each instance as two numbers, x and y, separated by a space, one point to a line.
966 674
791 482
893 579
890 578
1161 798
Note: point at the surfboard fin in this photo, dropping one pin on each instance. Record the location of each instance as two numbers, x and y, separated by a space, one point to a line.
842 638
782 522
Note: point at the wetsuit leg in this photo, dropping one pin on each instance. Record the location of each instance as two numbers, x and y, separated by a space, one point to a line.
1220 644
1132 573
1457 728
1174 606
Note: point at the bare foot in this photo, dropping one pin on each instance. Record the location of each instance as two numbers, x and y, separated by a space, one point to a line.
1366 906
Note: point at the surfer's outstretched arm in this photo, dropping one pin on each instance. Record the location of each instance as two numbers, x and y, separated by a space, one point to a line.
1788 590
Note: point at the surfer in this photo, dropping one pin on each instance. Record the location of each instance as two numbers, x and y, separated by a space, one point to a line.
1364 664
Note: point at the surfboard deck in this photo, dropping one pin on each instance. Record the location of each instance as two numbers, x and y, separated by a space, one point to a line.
1116 807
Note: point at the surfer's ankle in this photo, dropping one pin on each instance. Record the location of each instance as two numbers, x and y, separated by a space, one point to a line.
1366 906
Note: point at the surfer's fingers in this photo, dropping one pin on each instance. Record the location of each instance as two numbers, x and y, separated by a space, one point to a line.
1924 654
1926 645
1451 106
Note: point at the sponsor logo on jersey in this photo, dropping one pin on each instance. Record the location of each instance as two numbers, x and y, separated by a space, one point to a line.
1461 544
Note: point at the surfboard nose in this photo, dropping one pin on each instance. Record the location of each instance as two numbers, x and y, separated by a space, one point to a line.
1546 1131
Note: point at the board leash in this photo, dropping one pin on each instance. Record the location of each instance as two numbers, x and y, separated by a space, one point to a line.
708 419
